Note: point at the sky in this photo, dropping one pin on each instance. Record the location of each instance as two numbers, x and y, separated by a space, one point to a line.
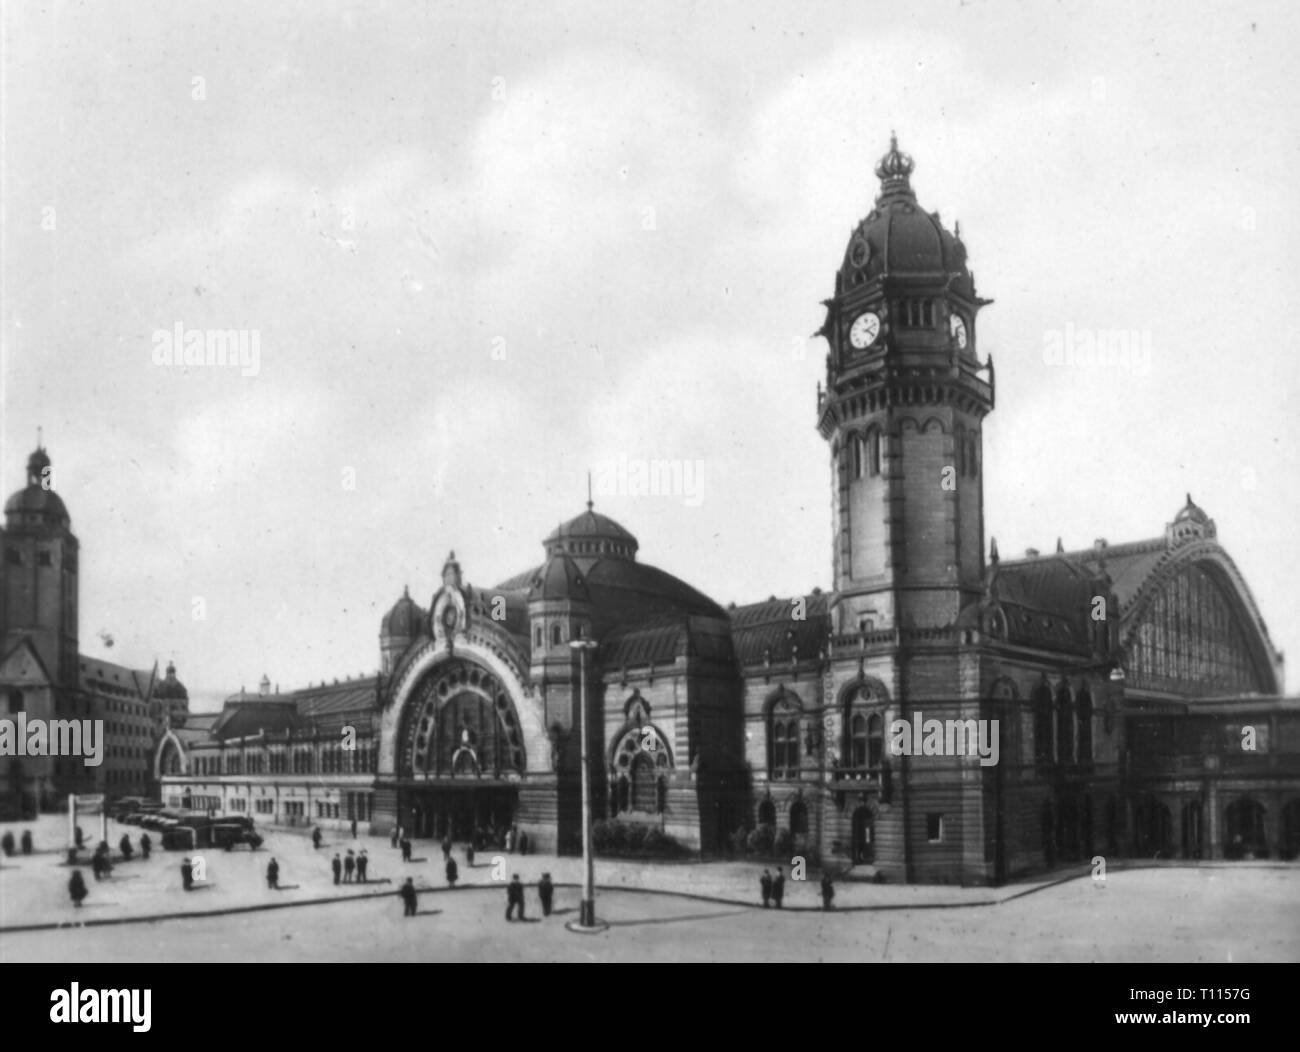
482 249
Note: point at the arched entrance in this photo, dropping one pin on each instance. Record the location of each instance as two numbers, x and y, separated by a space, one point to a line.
460 755
1192 830
1153 830
864 836
1245 830
1290 846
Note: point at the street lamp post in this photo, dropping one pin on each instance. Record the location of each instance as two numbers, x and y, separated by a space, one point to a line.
587 909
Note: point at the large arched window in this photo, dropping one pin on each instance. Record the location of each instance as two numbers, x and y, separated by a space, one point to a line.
875 459
783 737
1043 743
556 635
858 741
1064 725
645 796
1083 711
859 458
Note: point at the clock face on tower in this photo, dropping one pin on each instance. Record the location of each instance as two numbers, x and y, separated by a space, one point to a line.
865 330
957 326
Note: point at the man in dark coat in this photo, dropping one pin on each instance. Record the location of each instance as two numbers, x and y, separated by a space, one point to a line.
187 875
7 843
273 875
514 898
765 886
363 860
79 837
315 837
469 854
77 887
452 872
337 866
349 866
124 845
27 841
778 887
828 890
545 892
354 829
406 849
408 897
146 845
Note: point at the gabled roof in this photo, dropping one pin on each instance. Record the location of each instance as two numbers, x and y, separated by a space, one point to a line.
98 675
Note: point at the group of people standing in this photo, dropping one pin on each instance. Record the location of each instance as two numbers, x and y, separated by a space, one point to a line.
772 889
7 843
350 867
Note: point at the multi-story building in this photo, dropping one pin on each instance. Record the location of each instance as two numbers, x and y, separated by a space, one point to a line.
1136 693
44 677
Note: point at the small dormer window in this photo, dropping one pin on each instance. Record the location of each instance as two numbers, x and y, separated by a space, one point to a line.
557 635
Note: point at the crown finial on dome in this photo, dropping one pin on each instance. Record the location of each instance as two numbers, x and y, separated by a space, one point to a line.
894 168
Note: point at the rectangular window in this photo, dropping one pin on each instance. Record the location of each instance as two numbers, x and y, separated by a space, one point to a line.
43 557
934 828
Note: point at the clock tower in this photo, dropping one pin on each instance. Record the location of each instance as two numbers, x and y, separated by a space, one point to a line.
905 398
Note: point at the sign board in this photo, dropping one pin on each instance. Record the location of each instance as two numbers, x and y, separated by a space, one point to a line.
92 804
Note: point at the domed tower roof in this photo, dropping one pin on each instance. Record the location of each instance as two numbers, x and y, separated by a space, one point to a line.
591 534
898 237
1192 512
403 621
171 688
560 578
37 503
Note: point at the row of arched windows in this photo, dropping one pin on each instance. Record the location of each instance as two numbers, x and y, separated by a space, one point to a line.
965 446
1062 726
867 454
334 759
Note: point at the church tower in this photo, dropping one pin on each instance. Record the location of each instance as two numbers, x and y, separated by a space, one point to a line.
905 398
38 580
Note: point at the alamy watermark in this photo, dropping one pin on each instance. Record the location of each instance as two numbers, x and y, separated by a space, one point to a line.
36 737
625 476
922 737
209 347
1099 348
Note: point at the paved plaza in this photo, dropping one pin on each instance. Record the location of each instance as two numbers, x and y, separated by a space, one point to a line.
670 912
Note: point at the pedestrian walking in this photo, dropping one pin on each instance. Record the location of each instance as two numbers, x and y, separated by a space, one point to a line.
406 849
778 887
523 843
349 867
408 898
27 841
452 872
273 875
337 866
187 875
79 837
146 845
469 855
7 844
545 892
514 897
363 860
77 887
828 890
765 886
124 845
315 837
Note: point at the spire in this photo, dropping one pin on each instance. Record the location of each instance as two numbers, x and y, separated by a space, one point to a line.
589 500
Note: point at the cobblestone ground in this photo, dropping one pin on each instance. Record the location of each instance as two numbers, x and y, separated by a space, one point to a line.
1212 913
